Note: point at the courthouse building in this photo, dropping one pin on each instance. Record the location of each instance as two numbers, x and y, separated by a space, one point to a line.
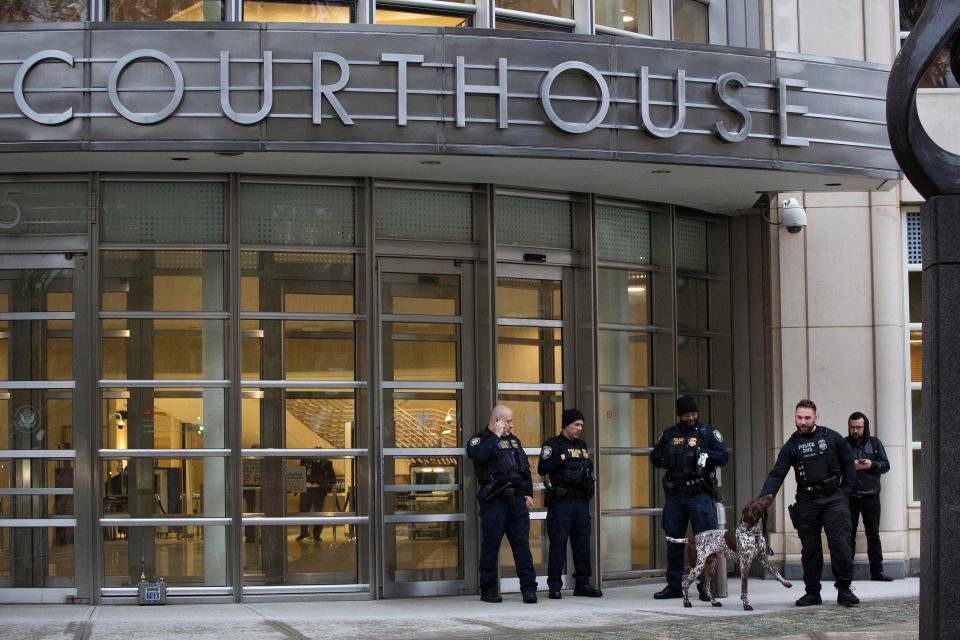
266 266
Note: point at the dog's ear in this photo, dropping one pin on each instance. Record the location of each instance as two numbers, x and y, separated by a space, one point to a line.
765 501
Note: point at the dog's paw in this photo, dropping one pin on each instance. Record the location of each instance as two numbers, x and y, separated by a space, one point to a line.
716 604
687 604
788 585
748 607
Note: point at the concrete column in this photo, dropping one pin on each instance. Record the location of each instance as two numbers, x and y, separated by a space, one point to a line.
940 555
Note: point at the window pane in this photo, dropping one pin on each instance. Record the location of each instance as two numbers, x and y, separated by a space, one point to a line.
420 418
426 551
690 20
296 11
627 542
162 281
170 10
156 487
692 304
916 406
538 549
320 486
36 419
34 557
916 356
421 351
626 482
296 282
418 214
435 486
533 222
629 15
162 419
299 418
626 420
420 294
43 10
420 18
557 8
915 284
624 296
184 556
52 480
276 555
527 298
917 476
298 214
623 358
536 415
163 349
43 208
315 350
517 25
151 212
693 363
529 354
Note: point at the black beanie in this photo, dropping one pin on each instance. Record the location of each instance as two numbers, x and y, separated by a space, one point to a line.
686 404
570 415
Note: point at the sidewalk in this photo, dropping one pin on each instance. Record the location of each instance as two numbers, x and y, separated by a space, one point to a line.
889 609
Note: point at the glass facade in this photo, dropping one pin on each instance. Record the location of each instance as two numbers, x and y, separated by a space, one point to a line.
282 408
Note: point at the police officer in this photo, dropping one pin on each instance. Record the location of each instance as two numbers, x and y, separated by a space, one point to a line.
505 497
870 460
321 480
566 460
823 465
690 451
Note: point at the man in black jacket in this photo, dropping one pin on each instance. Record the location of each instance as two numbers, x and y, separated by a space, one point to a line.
871 462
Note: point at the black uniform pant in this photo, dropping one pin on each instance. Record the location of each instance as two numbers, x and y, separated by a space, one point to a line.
508 516
830 513
568 519
680 509
869 506
312 500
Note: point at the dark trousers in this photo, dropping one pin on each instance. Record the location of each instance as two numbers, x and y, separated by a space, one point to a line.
699 511
829 513
312 500
568 519
505 516
869 506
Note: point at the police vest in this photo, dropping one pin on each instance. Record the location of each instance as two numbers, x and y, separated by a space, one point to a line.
504 466
683 452
816 458
574 473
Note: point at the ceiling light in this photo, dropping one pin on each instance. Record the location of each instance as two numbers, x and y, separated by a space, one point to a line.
636 289
628 18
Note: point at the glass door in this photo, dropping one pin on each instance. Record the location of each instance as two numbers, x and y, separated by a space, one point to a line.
534 377
38 412
426 340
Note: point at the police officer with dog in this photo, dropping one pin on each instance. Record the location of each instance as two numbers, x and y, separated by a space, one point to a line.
826 476
566 464
690 451
505 497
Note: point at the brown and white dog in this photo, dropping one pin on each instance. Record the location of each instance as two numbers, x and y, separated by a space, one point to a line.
745 544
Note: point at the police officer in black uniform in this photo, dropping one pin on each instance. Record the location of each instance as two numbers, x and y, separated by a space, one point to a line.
823 465
505 497
566 460
690 451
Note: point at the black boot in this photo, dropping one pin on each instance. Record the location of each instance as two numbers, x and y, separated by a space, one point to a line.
846 598
587 590
809 600
530 596
555 594
668 592
490 596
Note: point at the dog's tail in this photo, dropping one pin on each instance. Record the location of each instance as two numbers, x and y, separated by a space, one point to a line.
678 540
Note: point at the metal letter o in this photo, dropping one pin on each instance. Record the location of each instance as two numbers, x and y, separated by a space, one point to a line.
146 118
575 127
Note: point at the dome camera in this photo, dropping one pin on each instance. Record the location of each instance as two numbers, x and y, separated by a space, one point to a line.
792 216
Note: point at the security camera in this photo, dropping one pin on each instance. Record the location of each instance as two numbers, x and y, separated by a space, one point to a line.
792 216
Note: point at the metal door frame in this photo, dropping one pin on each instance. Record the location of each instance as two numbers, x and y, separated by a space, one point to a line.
468 384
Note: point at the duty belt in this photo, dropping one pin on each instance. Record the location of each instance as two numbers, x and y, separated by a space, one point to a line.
822 488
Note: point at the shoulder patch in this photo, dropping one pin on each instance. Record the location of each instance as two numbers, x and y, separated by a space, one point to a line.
546 452
716 434
475 441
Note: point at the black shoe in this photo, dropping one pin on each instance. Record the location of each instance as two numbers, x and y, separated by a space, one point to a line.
881 577
702 590
316 538
530 597
809 600
846 598
555 594
587 590
491 596
668 592
301 537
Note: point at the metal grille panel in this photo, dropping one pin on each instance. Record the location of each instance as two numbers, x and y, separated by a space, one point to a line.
44 208
533 222
423 215
623 235
914 248
164 212
691 245
285 214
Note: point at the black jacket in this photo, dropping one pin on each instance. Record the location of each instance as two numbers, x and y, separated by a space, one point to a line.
500 461
703 436
869 448
791 452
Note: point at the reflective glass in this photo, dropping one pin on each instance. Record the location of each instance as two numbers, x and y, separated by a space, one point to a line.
516 25
627 15
527 298
36 488
627 542
162 418
299 418
297 282
624 296
43 208
692 304
297 11
421 418
556 8
43 10
916 407
690 21
916 356
626 419
435 486
319 486
529 354
539 543
693 362
623 358
421 351
626 482
420 294
165 10
420 18
162 281
275 555
35 557
163 212
915 287
34 350
536 415
318 350
425 551
183 555
157 487
36 419
163 349
917 475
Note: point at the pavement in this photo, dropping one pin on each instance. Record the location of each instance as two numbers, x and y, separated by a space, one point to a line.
890 610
